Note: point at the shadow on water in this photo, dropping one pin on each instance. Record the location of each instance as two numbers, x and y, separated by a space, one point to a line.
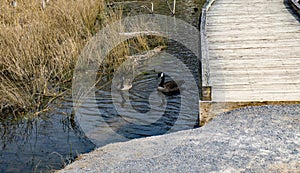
48 142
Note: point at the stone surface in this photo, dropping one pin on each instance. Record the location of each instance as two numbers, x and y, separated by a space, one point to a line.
253 139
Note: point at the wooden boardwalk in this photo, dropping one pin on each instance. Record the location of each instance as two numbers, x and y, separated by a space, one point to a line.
253 51
250 51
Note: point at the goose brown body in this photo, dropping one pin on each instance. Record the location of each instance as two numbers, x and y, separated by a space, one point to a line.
124 87
168 87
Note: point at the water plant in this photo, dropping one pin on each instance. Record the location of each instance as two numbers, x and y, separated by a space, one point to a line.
39 46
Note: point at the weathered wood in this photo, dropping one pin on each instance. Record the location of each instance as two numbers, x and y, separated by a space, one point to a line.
252 52
204 70
295 5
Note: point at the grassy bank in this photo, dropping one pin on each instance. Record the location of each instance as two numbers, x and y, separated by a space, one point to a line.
39 48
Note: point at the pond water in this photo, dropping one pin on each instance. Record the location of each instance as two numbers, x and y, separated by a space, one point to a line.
47 143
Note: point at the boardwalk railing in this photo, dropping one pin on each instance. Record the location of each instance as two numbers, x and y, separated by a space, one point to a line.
295 5
205 83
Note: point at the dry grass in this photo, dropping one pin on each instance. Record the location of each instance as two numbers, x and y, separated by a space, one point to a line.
39 49
121 53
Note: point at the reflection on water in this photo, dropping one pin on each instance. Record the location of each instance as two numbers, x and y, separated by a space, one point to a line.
113 116
144 118
49 142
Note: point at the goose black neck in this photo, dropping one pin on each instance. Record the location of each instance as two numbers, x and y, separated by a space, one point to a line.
162 81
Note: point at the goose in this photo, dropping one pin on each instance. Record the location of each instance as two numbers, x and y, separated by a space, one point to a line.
124 87
168 87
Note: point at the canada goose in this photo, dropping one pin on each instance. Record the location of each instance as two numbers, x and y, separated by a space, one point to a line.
168 87
124 87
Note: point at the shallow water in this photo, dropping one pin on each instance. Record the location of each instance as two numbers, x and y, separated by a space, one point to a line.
49 142
143 111
41 144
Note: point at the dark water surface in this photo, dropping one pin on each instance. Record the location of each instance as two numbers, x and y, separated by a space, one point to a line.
47 143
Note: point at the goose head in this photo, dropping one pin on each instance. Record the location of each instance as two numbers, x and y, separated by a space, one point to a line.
161 76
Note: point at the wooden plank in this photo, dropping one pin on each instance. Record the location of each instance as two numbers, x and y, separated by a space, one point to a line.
285 52
205 82
255 41
278 45
232 39
236 25
256 32
254 51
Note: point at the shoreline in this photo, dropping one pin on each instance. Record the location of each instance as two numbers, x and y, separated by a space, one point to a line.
255 139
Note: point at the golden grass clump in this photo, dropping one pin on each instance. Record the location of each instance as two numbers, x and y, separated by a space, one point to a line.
39 47
40 42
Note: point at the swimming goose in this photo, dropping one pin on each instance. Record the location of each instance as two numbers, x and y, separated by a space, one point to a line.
168 87
124 87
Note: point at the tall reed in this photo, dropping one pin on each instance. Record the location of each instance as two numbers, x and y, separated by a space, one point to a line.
39 48
39 45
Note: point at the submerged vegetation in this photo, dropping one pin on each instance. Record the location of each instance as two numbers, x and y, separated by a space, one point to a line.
40 43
